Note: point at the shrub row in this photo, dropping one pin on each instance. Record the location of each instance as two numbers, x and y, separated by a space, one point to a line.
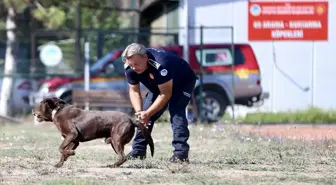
310 115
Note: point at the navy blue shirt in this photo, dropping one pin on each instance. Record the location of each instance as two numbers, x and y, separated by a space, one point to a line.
162 67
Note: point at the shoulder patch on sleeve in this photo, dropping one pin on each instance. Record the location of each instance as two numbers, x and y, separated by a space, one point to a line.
163 72
153 63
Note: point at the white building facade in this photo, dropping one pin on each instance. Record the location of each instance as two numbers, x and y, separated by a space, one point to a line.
297 74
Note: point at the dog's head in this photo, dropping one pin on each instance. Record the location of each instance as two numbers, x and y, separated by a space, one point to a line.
44 110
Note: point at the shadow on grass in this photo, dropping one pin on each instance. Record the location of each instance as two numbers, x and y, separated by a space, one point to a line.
142 165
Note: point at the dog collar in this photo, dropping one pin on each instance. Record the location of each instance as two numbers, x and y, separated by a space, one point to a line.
53 113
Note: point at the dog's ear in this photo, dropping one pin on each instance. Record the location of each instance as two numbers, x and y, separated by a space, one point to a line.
50 103
58 102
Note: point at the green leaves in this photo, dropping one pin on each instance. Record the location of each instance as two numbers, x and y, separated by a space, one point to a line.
18 4
92 18
2 25
61 14
52 17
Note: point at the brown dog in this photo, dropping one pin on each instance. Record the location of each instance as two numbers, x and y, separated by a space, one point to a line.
77 125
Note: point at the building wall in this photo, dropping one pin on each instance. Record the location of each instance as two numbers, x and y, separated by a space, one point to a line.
294 59
128 19
167 22
160 22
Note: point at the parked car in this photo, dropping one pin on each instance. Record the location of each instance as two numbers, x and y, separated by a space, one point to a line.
218 92
22 89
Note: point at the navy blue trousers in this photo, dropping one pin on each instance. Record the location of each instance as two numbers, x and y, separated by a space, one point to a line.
179 123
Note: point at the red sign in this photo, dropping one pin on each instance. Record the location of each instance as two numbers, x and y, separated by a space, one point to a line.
287 20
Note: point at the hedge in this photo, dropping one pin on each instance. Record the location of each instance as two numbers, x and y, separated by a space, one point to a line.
310 115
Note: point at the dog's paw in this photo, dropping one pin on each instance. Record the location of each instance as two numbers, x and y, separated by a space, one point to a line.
58 165
69 152
111 166
72 152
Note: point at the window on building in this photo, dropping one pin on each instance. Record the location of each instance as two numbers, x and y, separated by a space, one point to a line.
133 4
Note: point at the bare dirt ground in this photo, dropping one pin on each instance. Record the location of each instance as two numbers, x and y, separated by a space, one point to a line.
293 131
219 154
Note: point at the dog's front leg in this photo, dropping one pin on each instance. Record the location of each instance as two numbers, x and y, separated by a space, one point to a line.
67 140
63 148
71 146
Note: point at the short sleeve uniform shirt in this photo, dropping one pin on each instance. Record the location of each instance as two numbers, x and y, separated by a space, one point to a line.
162 67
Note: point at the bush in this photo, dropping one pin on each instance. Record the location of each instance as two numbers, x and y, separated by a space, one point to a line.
310 115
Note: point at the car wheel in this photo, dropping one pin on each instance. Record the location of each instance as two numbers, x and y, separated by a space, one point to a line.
213 106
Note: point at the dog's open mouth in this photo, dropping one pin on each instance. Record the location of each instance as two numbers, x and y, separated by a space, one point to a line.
38 119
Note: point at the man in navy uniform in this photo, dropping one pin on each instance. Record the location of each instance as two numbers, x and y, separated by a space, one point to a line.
170 82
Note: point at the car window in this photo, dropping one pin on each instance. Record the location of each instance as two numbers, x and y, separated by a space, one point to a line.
239 57
119 67
219 57
101 62
114 69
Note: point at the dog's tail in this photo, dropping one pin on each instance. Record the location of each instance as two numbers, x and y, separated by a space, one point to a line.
145 132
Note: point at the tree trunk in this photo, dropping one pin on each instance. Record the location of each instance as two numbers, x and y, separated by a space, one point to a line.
10 64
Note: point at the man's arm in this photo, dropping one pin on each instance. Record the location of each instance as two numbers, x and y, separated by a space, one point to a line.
135 96
166 90
134 89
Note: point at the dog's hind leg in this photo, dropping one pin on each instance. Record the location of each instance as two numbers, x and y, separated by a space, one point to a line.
71 146
109 141
119 146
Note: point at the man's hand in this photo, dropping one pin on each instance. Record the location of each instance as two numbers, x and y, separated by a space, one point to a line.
143 117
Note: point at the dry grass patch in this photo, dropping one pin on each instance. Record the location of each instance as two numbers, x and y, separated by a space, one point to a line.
220 154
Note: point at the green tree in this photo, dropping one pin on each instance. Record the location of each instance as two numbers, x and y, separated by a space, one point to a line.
10 58
94 15
49 14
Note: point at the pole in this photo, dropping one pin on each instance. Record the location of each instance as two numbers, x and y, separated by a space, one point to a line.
186 36
186 32
200 103
78 35
233 63
233 75
273 76
313 74
165 11
87 69
33 59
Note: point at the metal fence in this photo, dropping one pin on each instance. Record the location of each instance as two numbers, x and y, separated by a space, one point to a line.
102 41
29 69
203 36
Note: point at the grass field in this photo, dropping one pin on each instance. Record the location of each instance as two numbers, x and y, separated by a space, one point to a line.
220 154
